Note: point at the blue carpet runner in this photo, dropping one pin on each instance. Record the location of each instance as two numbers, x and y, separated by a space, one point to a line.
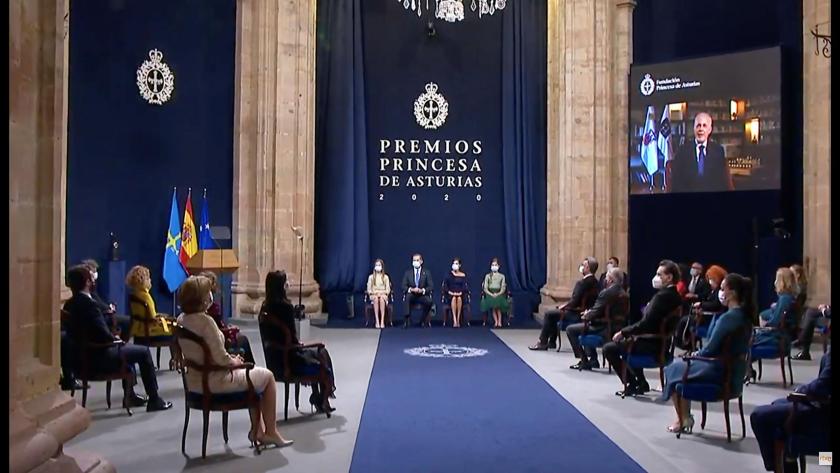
486 414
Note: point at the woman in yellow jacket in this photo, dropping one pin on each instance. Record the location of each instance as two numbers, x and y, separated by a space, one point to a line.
140 282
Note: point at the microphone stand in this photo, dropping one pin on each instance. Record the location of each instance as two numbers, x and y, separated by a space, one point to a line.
299 308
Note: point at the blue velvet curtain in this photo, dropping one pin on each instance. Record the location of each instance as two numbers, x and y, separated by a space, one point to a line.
524 49
341 200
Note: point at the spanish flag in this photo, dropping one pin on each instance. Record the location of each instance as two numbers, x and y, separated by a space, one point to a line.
189 237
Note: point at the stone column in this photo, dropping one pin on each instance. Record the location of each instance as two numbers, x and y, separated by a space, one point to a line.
816 151
43 418
588 62
274 149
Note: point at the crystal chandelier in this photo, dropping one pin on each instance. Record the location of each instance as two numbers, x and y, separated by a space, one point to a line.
453 10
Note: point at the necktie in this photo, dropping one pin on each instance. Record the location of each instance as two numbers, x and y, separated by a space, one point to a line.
416 278
701 160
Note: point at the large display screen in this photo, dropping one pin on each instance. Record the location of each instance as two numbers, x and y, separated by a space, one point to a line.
706 125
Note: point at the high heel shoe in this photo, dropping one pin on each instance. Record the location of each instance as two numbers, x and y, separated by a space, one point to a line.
686 427
255 442
276 441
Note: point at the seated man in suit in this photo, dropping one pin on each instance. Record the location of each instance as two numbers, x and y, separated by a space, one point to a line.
768 421
698 286
613 263
86 322
417 288
663 303
608 297
700 165
122 322
806 335
582 298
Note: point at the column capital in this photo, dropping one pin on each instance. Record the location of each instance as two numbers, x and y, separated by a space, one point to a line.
625 3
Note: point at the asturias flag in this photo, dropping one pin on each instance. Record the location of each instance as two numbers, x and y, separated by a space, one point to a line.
205 241
649 152
189 244
173 272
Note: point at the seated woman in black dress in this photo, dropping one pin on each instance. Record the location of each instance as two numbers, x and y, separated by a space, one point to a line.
236 342
454 287
305 360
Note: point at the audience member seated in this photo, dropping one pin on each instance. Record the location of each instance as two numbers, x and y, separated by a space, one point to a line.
68 380
122 322
698 286
806 335
801 285
682 283
707 365
379 290
454 289
417 289
583 297
305 360
694 325
769 421
86 322
235 341
140 282
495 297
768 335
195 296
663 304
610 297
613 263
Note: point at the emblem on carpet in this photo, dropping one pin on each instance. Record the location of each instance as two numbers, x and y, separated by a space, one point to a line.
442 350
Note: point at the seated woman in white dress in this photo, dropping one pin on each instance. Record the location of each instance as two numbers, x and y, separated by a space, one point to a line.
194 297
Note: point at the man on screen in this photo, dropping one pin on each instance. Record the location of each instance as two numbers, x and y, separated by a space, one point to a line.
700 164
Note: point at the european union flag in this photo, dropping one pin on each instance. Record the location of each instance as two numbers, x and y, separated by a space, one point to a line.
205 241
173 272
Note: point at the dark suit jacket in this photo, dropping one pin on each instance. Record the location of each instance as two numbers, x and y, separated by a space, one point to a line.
663 303
702 288
606 298
821 386
425 281
585 285
684 176
86 320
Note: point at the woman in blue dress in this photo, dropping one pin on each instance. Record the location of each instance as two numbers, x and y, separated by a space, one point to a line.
769 320
454 288
736 322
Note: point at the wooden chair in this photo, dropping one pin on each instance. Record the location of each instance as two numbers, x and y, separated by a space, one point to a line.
804 438
446 309
666 349
85 373
389 310
279 359
700 328
506 316
709 392
615 321
147 319
206 401
782 350
587 301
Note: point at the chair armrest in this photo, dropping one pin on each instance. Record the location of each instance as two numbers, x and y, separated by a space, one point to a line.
645 336
310 345
809 398
700 358
112 343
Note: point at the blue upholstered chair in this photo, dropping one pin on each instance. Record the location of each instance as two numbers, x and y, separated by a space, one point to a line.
660 360
700 327
615 321
587 302
206 401
732 386
782 350
805 438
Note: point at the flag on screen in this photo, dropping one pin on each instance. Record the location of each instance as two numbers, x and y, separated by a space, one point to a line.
649 152
173 271
205 241
663 143
189 245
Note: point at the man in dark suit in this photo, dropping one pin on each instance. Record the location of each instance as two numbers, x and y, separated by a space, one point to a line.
417 288
86 322
700 164
768 421
583 296
698 285
608 297
123 322
662 305
613 263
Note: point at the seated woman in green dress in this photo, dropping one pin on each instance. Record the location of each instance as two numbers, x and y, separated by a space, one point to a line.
495 293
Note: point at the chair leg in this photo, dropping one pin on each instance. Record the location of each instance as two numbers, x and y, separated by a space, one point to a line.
108 393
790 371
703 415
726 416
662 378
286 404
297 396
184 435
784 375
206 415
84 393
743 422
224 425
801 461
759 369
158 358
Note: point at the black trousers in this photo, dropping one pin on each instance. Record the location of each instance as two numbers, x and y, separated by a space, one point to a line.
68 359
548 334
412 300
809 323
576 330
768 426
108 361
613 351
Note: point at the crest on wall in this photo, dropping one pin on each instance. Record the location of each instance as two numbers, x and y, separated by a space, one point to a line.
154 79
647 86
430 108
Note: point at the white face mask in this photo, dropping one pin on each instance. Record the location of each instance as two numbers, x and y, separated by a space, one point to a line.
721 297
95 276
416 264
377 268
455 266
657 282
580 269
610 266
695 272
494 268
